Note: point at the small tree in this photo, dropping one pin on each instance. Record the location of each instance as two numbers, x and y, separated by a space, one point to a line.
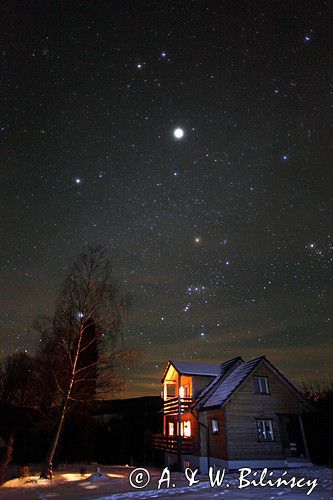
81 344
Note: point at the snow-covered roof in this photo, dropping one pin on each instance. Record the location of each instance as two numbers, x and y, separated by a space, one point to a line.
193 368
231 383
228 376
225 367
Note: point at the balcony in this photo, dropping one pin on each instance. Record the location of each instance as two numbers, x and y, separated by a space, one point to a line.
173 406
173 444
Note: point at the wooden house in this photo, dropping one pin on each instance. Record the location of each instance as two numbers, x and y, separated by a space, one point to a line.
230 415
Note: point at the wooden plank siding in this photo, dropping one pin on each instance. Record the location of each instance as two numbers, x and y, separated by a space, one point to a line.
199 382
217 442
243 409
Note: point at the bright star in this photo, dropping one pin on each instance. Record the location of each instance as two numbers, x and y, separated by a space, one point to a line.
139 66
178 133
197 239
78 180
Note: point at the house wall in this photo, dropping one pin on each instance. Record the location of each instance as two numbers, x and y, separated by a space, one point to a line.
199 382
217 442
245 407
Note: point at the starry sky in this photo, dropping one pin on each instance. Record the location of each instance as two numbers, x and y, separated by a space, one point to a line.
191 140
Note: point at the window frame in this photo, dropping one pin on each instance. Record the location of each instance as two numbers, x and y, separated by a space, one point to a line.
189 429
171 425
215 420
260 378
167 385
262 422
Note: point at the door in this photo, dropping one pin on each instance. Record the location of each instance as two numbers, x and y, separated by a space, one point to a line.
291 436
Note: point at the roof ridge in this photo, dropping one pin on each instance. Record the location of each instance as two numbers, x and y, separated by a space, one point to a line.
215 384
237 383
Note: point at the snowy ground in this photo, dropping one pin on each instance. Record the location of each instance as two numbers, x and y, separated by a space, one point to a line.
114 485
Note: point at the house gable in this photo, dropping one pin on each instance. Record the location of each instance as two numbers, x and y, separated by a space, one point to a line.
232 383
245 407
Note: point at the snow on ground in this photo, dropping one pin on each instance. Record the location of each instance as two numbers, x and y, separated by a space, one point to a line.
113 484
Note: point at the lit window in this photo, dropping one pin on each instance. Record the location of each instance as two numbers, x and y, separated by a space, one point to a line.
171 429
185 428
184 391
261 385
215 426
265 430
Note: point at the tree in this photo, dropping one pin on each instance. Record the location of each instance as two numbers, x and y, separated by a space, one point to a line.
15 389
15 377
81 345
318 423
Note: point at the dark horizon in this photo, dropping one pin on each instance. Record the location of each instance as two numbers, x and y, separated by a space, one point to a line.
220 230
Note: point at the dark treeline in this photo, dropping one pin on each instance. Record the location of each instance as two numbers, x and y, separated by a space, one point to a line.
318 424
80 360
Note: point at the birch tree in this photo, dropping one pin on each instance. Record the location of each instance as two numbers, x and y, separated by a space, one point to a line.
82 343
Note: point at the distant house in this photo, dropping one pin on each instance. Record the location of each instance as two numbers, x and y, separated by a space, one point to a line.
230 415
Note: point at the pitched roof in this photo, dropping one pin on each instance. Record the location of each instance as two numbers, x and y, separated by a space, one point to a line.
231 383
193 368
228 376
225 367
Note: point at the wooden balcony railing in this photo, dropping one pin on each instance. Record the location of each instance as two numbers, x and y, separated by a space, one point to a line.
172 406
170 444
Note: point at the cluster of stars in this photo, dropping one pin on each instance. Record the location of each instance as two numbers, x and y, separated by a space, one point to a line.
194 156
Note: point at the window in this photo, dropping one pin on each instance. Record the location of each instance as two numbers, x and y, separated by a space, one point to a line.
215 426
261 385
185 428
170 390
265 430
171 429
184 391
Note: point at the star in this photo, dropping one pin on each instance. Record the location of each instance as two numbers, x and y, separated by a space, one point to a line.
285 157
139 66
197 239
78 180
178 133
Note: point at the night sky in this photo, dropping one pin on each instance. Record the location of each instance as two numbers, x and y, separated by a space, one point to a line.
221 235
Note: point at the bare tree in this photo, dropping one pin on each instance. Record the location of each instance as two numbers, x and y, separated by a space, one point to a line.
80 349
15 389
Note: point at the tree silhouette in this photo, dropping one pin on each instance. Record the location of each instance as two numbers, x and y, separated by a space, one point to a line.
81 351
